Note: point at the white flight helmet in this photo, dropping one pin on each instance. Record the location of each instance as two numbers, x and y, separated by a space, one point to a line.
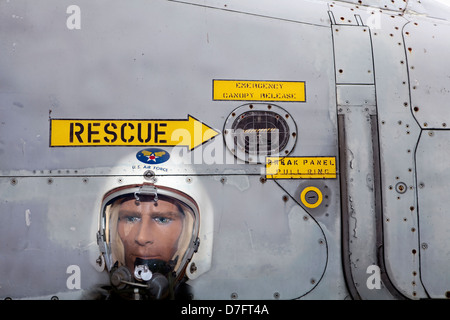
192 252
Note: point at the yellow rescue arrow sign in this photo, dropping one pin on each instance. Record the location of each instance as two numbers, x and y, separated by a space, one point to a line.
188 132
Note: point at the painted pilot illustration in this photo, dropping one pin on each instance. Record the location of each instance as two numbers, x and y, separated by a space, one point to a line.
224 150
149 235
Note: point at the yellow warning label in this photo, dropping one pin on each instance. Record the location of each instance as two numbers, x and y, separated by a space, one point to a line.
301 167
245 90
85 133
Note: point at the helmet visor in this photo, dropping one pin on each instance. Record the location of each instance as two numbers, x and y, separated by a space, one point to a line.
160 225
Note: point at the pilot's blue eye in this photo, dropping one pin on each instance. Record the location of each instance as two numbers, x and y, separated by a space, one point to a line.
162 220
130 219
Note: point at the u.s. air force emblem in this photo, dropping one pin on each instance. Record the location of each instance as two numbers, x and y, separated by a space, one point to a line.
153 156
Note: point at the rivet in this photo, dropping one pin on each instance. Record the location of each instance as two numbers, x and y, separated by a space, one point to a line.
150 175
401 187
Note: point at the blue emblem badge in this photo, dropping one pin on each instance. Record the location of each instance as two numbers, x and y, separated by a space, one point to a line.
152 156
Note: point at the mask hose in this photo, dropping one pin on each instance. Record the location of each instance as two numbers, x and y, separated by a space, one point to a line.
150 284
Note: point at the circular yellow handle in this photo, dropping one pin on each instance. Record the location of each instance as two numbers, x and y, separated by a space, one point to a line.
306 203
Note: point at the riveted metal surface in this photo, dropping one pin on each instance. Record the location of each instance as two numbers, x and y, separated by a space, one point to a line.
374 79
156 68
432 174
429 95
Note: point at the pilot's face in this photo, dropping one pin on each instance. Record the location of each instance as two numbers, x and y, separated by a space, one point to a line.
149 230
